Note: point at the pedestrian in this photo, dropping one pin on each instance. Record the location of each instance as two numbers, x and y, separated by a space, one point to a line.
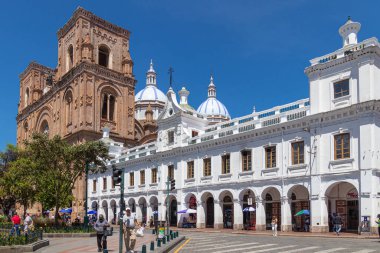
378 224
101 237
28 223
129 223
337 222
307 224
274 226
16 224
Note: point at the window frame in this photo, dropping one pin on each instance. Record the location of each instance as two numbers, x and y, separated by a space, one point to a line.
104 183
248 160
154 175
94 182
207 167
131 179
226 164
142 177
171 171
295 152
272 159
343 154
339 85
171 137
190 169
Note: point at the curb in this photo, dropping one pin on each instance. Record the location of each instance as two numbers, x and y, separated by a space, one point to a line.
24 248
167 248
286 234
68 235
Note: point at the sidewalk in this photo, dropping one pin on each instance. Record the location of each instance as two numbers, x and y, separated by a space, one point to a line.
269 233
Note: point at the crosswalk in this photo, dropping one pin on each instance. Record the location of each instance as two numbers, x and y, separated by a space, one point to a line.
225 243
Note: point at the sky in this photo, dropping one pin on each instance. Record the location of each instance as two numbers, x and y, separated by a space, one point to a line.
256 50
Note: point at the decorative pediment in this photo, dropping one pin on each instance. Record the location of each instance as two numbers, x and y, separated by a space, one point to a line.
171 108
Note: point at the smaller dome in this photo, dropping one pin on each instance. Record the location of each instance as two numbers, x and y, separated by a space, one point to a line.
212 107
150 93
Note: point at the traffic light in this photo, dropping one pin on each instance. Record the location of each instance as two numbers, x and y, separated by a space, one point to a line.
116 174
172 184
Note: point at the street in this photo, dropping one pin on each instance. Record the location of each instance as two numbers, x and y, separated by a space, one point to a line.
225 243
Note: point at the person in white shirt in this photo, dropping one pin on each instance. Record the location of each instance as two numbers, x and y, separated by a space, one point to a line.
27 223
129 223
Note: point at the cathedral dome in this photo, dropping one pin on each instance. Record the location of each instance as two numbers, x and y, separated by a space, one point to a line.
150 92
212 107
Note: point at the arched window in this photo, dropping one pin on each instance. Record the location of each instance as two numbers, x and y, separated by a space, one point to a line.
268 197
26 129
68 107
108 106
44 127
104 54
26 98
70 56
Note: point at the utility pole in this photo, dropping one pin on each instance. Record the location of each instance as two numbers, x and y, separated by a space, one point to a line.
85 219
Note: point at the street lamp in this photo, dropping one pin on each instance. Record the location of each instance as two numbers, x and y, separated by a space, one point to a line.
85 221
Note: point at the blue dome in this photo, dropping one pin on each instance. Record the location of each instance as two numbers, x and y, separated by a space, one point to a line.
213 107
150 93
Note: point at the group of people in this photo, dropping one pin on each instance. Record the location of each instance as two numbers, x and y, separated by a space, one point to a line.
16 224
129 230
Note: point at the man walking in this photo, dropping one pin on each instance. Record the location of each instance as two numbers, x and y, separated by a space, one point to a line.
28 223
129 231
100 226
337 222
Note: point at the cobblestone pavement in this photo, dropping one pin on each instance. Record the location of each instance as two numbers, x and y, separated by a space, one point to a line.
77 245
202 242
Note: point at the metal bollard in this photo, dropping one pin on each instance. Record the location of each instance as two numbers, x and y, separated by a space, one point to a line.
153 231
171 236
164 240
152 246
158 243
175 234
143 250
168 238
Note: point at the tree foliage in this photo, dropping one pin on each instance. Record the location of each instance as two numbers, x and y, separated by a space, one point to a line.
49 168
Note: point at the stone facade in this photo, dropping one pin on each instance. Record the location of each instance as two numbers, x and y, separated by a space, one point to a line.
92 87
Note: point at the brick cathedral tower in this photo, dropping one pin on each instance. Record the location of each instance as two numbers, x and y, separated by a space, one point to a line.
92 87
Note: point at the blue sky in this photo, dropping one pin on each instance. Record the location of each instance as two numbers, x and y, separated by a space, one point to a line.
257 50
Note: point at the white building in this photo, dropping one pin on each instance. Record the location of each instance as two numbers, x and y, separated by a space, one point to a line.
320 154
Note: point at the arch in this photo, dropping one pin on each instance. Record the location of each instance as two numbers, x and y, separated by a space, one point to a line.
43 118
342 199
68 104
226 200
247 198
105 209
272 204
113 206
172 209
153 202
225 193
26 97
143 209
298 196
44 128
132 204
208 202
108 102
70 57
94 205
104 56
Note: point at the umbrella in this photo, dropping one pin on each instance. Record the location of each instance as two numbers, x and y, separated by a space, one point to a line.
155 212
303 212
188 211
91 212
67 210
249 209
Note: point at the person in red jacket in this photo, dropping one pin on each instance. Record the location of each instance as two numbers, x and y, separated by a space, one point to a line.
16 224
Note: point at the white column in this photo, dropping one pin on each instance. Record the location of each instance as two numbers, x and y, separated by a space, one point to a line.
286 215
110 214
139 212
218 214
260 216
238 215
201 216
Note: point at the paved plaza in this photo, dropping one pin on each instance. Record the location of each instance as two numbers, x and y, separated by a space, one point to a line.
202 242
76 245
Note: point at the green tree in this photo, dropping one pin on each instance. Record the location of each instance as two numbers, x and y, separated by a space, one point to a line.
59 165
19 182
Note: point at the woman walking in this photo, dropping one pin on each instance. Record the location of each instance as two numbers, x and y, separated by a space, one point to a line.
274 226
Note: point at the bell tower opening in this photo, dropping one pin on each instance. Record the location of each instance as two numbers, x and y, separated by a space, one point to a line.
104 54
